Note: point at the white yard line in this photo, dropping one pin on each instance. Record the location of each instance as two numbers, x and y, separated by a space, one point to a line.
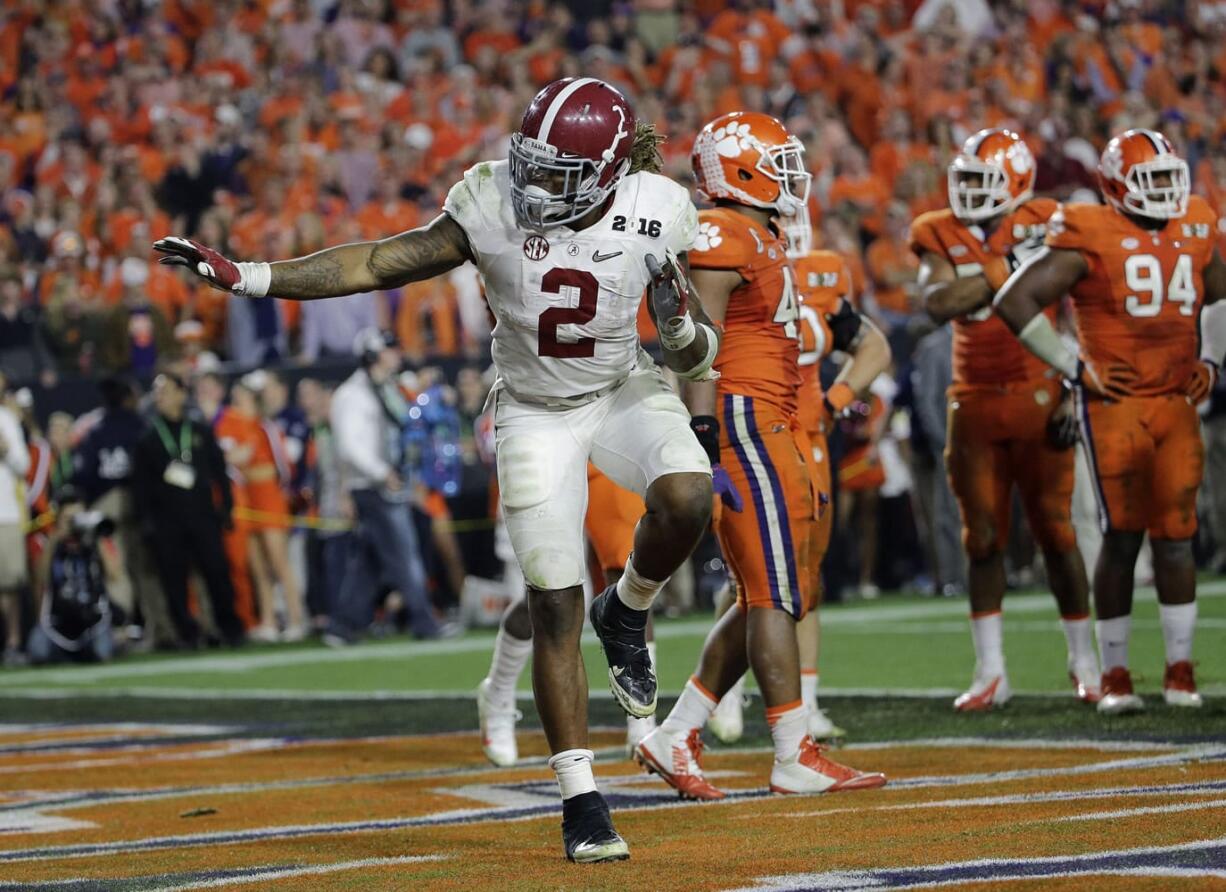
855 618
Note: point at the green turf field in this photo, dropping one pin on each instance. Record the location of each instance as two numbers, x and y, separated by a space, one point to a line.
889 668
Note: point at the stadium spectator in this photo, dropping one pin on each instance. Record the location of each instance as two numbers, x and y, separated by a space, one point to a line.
23 354
14 462
327 545
183 501
367 413
136 335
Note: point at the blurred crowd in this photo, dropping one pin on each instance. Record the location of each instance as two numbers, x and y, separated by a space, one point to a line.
270 128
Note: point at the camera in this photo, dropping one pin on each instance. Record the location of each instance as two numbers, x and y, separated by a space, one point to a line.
90 526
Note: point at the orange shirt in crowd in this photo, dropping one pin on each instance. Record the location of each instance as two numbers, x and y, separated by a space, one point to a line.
868 192
884 257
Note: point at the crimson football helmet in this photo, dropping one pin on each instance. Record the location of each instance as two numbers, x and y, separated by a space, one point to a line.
992 175
1139 173
571 151
752 159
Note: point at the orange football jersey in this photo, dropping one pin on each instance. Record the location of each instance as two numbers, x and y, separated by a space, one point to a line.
985 351
1140 302
824 282
759 354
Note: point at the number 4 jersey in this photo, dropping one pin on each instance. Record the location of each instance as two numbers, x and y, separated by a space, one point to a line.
566 302
761 347
1140 301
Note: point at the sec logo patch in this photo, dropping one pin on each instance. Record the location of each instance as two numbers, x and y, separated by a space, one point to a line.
536 247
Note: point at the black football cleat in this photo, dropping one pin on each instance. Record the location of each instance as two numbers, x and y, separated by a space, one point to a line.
587 831
623 635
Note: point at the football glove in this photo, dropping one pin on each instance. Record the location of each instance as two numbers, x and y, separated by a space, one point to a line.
837 399
706 429
1201 382
1110 381
250 279
669 294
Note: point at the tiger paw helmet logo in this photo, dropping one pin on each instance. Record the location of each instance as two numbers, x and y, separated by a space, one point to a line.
708 237
732 139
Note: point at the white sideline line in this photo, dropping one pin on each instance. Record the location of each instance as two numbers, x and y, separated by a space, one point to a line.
851 617
173 693
1135 812
261 874
1180 789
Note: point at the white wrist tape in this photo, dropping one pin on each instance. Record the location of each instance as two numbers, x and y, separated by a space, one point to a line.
703 371
253 279
678 333
1213 333
1041 339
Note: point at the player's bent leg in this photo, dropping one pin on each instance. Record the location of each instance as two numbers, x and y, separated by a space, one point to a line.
1113 606
1175 578
678 511
496 708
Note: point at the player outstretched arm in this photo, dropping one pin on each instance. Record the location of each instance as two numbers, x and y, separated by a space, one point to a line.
1020 303
417 254
688 337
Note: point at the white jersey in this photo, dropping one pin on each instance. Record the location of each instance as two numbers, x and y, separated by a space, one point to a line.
565 302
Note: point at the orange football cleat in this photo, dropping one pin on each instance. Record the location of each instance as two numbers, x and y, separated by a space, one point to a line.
1179 686
811 772
678 760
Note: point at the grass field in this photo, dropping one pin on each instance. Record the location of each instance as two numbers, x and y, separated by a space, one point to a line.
307 768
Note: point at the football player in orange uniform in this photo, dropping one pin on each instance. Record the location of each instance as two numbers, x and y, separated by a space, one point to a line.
752 169
828 322
1001 404
612 515
1139 270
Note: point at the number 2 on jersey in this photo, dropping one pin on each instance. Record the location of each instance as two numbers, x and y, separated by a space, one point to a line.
788 310
1143 274
547 343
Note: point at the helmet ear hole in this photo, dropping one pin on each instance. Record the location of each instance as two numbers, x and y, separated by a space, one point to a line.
744 175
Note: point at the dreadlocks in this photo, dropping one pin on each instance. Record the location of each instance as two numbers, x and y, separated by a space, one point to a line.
645 152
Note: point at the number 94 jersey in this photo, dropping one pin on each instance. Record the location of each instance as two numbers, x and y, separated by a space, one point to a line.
759 354
1140 302
565 302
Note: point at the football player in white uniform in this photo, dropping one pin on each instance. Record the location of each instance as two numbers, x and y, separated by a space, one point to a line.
567 235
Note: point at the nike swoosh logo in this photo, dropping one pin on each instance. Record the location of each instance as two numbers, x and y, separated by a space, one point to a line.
598 257
618 670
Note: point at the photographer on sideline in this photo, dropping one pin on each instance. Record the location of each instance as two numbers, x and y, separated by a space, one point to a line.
79 564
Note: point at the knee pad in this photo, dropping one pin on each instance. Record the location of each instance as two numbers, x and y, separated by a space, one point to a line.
525 477
551 567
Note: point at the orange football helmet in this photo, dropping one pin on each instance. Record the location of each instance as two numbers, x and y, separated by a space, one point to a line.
1129 172
750 158
991 176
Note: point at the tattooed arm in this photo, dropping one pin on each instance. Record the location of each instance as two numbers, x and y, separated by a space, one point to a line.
373 266
420 253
